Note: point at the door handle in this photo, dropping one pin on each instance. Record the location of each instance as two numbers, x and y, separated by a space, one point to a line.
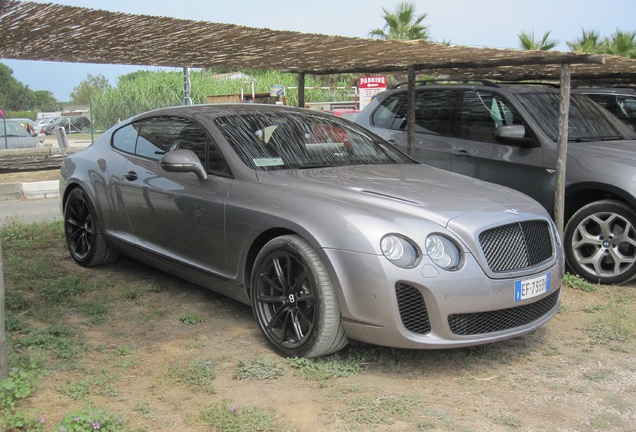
131 176
461 152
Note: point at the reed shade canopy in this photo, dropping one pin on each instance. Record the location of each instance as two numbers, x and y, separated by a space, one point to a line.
51 32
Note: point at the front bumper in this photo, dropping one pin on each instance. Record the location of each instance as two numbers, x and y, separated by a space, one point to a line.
426 307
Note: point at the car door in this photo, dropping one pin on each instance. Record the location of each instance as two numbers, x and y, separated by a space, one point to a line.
479 150
175 214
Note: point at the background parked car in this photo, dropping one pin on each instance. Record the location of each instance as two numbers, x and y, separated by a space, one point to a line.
507 134
31 127
14 136
327 231
620 101
71 124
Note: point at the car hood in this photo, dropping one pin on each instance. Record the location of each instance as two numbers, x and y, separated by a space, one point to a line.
603 150
414 189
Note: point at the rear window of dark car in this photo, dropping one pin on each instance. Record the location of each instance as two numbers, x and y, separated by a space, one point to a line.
587 120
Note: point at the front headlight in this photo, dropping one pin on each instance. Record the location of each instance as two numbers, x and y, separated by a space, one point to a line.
400 251
443 252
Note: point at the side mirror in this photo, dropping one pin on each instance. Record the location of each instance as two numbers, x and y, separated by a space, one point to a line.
183 161
515 134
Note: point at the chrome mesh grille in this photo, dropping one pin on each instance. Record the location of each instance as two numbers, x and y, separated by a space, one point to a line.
517 246
412 309
504 319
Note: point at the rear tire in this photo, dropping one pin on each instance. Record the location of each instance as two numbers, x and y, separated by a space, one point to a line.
600 242
84 235
294 301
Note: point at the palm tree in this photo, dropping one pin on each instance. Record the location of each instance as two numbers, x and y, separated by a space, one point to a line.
402 24
620 43
528 42
588 42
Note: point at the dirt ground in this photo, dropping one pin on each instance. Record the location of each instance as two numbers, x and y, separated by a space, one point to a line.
556 379
559 378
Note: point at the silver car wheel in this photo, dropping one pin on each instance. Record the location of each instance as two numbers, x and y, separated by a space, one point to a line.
294 301
600 241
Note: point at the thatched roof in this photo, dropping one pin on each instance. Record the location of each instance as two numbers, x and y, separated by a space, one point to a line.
36 31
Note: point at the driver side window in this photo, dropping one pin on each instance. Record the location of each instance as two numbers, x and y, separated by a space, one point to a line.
482 113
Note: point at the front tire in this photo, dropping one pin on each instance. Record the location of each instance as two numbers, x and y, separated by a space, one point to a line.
600 242
294 300
84 235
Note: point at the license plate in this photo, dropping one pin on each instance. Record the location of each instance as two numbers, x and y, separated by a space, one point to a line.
525 289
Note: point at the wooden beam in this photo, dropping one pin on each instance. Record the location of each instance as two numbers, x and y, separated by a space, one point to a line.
410 112
562 148
301 89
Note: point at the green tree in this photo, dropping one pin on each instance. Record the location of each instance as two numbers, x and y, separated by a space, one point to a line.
527 41
403 24
620 43
588 42
14 96
45 101
92 85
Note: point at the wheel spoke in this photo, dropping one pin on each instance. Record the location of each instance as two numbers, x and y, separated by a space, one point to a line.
295 324
271 325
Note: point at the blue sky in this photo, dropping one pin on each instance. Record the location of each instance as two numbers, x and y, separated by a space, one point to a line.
493 23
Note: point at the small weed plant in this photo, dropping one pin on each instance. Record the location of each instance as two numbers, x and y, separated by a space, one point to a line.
580 284
259 369
91 419
190 319
197 375
227 417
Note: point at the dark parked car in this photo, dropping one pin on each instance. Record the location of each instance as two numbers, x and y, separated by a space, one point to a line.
507 134
15 136
71 124
327 231
620 101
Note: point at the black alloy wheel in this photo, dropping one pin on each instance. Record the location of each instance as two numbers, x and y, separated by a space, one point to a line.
294 301
83 232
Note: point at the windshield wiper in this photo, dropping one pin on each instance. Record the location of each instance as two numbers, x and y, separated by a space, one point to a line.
317 166
592 139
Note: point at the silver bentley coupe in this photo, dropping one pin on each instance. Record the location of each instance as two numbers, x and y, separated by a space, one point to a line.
330 233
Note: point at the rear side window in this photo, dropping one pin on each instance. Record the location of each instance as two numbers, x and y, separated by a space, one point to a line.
433 112
391 114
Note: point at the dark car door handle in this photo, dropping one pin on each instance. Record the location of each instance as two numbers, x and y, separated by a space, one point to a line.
461 152
131 176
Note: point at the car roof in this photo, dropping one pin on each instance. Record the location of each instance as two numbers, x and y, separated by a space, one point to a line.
220 110
503 87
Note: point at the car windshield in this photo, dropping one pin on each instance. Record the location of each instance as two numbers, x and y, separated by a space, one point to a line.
286 140
13 129
587 121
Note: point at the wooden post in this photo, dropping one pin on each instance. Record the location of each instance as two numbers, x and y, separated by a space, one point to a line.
4 358
562 148
301 90
410 113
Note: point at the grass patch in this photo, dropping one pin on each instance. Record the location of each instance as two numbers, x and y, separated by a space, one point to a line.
196 375
91 419
613 324
191 318
259 369
580 284
370 406
227 417
320 369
